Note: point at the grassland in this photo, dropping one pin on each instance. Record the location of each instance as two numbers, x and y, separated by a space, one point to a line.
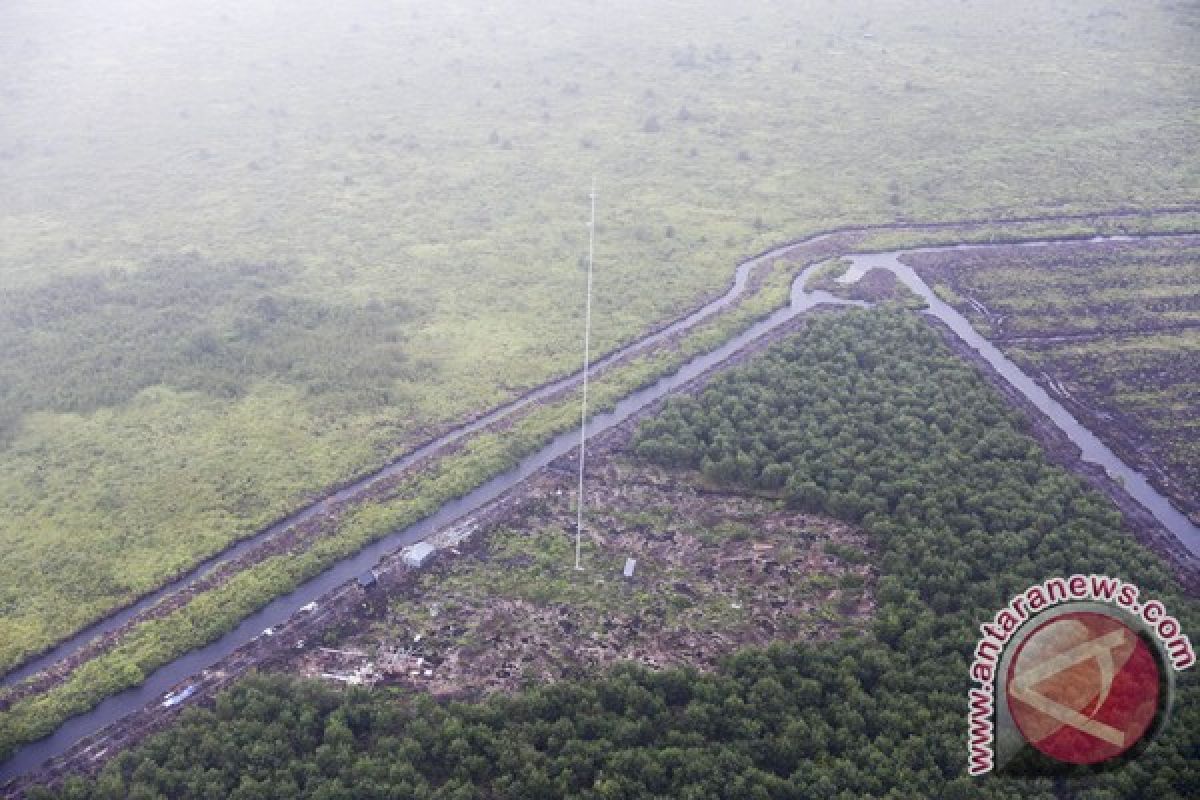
247 251
1084 226
1112 329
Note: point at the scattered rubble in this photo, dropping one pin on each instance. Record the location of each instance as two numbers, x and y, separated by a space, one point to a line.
715 571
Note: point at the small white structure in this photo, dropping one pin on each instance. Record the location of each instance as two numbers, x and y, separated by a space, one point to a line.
417 554
175 698
630 564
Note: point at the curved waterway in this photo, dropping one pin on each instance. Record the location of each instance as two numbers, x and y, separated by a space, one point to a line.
279 610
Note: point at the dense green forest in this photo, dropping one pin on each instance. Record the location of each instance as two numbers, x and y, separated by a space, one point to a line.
251 249
865 416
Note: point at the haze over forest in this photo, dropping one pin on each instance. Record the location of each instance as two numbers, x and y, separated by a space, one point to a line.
253 250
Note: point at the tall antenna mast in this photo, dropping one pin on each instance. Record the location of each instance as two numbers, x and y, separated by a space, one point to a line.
587 337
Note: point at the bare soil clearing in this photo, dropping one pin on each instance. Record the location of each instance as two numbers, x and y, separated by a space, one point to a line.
714 572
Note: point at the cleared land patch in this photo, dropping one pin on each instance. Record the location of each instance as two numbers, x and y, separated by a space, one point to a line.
715 571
